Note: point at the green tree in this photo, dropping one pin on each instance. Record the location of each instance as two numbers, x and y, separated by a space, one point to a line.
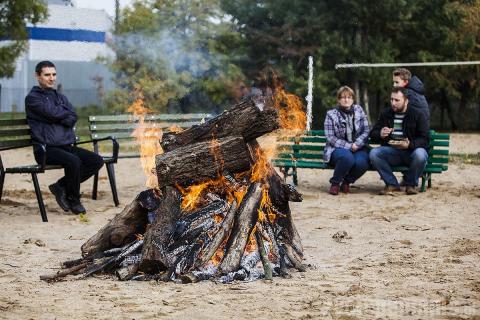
167 49
14 16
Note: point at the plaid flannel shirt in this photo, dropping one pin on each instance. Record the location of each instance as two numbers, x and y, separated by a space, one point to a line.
335 127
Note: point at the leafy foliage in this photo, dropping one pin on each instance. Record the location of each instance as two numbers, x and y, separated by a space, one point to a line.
14 16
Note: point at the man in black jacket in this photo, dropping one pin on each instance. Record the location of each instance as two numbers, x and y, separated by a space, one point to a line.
52 118
403 132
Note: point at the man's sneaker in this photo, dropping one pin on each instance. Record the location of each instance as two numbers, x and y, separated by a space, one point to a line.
60 195
411 190
389 190
345 187
334 189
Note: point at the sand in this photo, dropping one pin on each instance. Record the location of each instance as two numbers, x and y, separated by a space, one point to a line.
403 257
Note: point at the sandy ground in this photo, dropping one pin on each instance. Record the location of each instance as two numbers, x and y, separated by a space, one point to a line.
404 257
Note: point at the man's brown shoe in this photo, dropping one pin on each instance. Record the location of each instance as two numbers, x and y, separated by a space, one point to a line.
389 190
411 190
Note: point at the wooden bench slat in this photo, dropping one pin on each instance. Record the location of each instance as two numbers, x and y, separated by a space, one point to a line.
13 122
6 144
15 132
156 117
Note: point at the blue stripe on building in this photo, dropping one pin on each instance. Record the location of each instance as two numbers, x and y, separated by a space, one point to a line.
55 34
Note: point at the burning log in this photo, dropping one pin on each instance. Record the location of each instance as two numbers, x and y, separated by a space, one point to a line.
154 254
217 240
263 255
243 225
246 119
123 227
65 272
203 160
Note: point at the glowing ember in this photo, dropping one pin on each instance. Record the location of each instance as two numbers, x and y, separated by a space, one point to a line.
147 135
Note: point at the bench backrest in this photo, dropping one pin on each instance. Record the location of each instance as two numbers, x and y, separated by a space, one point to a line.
122 126
14 133
310 145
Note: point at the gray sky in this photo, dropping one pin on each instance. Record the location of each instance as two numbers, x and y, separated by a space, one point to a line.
107 5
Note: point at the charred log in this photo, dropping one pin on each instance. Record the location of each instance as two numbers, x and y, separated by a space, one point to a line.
201 161
225 228
154 253
246 119
245 220
123 227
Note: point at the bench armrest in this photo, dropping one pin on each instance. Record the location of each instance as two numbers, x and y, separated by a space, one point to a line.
115 146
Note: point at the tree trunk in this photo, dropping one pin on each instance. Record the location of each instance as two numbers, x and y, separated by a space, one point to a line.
245 119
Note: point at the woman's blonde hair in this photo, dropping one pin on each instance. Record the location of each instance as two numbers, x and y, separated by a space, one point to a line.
345 89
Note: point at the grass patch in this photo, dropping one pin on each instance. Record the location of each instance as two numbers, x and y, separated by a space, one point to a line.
465 158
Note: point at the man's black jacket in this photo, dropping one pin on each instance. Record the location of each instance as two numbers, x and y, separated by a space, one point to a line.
415 127
51 117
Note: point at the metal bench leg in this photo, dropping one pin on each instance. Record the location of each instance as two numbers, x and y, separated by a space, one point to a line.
424 180
294 174
429 180
95 186
43 213
2 178
113 184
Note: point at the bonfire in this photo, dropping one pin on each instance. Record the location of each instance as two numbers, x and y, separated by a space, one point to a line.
214 207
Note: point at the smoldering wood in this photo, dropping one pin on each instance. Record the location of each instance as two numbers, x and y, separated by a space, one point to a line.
155 254
294 258
202 160
246 119
65 272
126 273
225 228
245 218
123 227
267 268
110 262
279 197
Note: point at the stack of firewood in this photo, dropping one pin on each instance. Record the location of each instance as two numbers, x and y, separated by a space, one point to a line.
238 226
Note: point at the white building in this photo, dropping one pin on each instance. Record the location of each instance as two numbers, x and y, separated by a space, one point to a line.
72 38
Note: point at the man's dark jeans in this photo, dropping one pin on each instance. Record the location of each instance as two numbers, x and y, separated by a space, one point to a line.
385 157
79 165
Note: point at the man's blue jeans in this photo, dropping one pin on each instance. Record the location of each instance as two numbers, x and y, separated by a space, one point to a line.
349 166
384 157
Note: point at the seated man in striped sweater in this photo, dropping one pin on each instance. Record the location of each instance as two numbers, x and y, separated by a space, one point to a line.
404 138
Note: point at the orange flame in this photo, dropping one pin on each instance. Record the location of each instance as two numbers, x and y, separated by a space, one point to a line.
265 209
148 135
291 110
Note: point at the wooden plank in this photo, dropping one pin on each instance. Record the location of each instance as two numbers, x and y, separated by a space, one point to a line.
112 127
437 143
14 132
8 144
155 117
13 122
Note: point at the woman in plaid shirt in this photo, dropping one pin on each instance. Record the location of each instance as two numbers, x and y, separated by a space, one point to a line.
346 128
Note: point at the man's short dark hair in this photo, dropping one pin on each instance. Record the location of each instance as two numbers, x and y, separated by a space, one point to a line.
43 64
400 89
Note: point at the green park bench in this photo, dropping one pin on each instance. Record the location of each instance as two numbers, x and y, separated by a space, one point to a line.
121 127
15 134
306 151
